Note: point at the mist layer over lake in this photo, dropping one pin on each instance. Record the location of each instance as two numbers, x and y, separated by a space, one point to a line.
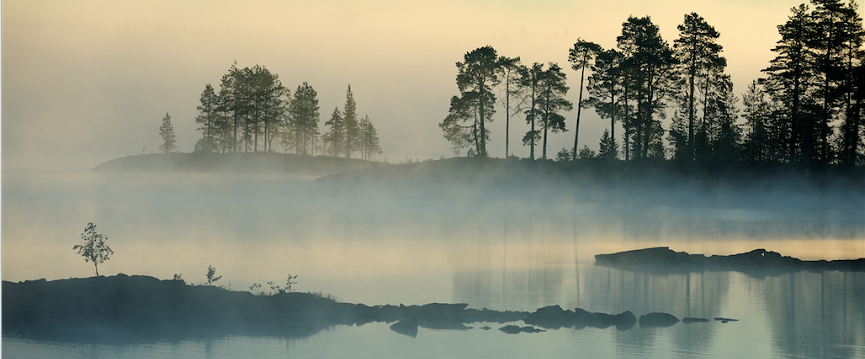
503 248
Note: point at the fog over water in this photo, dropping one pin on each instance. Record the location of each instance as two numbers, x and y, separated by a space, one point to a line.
498 247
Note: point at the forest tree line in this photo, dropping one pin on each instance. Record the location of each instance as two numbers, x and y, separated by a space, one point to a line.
806 109
252 111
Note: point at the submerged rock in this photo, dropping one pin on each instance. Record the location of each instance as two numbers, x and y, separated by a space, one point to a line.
657 320
694 320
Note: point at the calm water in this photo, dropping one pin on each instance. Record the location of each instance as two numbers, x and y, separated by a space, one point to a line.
509 250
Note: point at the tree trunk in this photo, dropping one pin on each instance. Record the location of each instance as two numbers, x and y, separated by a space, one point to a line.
579 106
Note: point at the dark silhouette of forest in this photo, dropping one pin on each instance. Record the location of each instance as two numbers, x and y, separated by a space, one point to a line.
806 110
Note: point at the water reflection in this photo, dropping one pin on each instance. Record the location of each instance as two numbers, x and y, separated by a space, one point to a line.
800 314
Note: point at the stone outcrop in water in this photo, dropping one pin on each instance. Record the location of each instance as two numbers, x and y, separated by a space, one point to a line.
657 320
758 261
516 329
134 308
554 317
725 320
140 308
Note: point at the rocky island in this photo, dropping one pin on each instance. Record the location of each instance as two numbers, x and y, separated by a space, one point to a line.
755 261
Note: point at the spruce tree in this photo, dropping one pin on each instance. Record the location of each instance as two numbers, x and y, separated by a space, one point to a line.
166 131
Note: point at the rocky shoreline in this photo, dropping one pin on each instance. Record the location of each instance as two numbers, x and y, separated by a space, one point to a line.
758 261
125 308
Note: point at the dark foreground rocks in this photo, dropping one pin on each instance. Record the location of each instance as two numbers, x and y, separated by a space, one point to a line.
554 317
756 262
516 329
125 308
134 308
657 320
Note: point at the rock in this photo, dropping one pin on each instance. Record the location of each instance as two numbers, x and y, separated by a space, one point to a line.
625 320
726 320
595 320
513 329
694 320
657 320
406 327
758 262
551 317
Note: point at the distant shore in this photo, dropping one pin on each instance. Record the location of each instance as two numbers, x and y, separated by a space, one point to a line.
247 163
478 170
758 262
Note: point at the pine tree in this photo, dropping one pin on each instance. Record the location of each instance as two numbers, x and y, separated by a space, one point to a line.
303 119
649 63
334 139
609 148
606 88
352 130
699 57
208 120
510 70
551 100
369 139
581 56
791 81
478 74
166 131
531 82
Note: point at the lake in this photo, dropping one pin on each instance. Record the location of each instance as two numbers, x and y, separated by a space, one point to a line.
502 248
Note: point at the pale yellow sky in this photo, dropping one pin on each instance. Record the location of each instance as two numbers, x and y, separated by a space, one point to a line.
88 81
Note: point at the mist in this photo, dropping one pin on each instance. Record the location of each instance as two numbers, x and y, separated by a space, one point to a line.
86 84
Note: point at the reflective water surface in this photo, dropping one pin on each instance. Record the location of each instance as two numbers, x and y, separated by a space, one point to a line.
503 249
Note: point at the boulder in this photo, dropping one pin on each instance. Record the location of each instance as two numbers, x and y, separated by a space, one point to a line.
657 320
513 329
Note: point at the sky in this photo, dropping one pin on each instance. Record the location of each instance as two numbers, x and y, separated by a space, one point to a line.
84 82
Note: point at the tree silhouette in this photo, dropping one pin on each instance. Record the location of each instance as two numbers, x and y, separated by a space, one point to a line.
510 70
698 56
304 117
208 120
369 141
334 139
608 147
606 88
352 130
211 275
458 125
551 100
166 131
649 60
478 73
581 56
93 247
530 82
